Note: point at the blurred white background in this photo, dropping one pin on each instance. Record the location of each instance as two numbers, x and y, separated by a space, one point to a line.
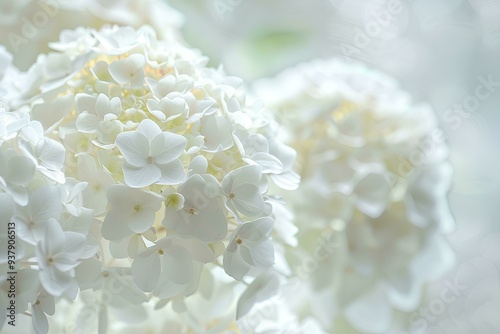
444 52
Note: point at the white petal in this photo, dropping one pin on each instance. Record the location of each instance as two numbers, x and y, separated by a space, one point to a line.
19 194
40 323
113 227
174 201
27 284
45 203
54 240
100 71
20 170
75 243
256 230
130 70
119 249
141 221
64 263
198 165
262 288
268 162
134 147
218 133
248 200
198 250
208 225
138 177
178 264
29 233
85 103
158 114
149 129
284 153
287 181
125 198
50 113
55 175
256 143
172 173
47 303
51 154
234 265
87 123
54 281
240 176
106 106
167 147
258 254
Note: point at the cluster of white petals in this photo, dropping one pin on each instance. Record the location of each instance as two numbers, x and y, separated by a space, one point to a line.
371 208
133 170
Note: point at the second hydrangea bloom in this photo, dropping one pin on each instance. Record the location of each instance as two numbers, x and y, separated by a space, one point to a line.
372 206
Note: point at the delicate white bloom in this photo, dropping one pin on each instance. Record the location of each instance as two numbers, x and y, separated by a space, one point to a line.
372 204
132 245
176 256
43 305
48 156
133 211
202 214
72 197
250 247
93 111
152 156
167 109
58 254
11 123
257 152
261 288
241 188
128 71
99 180
44 204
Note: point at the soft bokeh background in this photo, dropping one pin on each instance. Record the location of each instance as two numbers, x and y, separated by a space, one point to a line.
443 52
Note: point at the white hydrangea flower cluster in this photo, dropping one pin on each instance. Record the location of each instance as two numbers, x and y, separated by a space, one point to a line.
372 207
160 160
